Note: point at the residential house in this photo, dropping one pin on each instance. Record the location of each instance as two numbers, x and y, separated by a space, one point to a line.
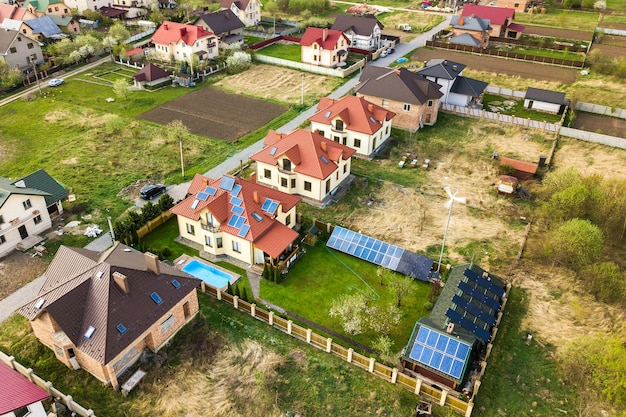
41 180
456 89
364 32
167 4
353 121
49 7
99 311
114 12
470 31
13 11
413 98
230 216
19 50
225 24
324 47
445 346
66 23
303 163
83 5
42 29
248 11
18 396
151 75
519 5
545 100
179 42
500 19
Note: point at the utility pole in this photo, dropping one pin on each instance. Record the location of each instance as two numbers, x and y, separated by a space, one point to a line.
32 62
302 98
182 162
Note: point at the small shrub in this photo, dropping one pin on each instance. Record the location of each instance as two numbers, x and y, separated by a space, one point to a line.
428 306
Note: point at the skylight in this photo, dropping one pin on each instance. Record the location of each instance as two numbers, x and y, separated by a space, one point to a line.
324 160
121 328
327 115
372 119
99 274
273 151
89 332
195 204
176 284
257 216
40 303
156 298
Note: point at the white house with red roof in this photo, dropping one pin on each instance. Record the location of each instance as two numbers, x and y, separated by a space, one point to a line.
238 218
179 42
19 396
354 122
248 11
324 47
303 163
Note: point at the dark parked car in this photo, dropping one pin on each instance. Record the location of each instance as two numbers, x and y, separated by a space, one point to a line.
150 191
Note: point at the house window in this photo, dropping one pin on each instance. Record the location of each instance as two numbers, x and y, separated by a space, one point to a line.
2 239
1 219
293 183
65 11
345 167
314 46
321 133
236 246
30 45
357 143
56 8
27 204
307 186
288 220
190 229
19 39
406 107
268 174
328 186
339 125
21 412
37 219
49 9
430 103
385 103
387 131
283 182
167 324
337 175
516 5
218 241
208 241
314 57
286 164
336 138
13 49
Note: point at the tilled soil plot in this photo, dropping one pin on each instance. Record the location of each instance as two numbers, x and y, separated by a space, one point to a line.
600 124
577 35
216 114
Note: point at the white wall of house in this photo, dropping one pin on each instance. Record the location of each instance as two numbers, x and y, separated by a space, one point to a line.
315 55
180 51
34 410
363 143
251 15
458 99
22 213
367 42
542 106
83 5
21 51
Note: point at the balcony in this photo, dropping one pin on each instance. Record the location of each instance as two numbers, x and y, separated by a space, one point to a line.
209 227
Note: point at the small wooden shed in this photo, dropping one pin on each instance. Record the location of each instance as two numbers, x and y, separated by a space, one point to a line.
310 237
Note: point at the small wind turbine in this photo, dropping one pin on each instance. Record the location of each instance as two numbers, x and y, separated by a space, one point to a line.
448 205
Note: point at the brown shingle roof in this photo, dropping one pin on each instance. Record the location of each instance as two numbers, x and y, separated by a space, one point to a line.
397 84
361 25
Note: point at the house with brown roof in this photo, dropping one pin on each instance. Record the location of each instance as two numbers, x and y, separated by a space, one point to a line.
231 216
303 163
225 24
19 396
413 98
151 75
354 122
248 11
99 311
364 32
324 47
457 89
500 19
180 42
19 50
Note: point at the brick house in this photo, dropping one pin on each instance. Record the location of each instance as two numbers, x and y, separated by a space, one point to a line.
99 312
471 31
303 163
500 19
353 121
413 98
324 47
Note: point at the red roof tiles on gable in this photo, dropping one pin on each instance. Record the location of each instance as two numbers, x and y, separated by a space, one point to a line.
16 391
325 38
309 147
496 15
355 112
172 32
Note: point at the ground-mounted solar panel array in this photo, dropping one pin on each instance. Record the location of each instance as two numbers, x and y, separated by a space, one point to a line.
381 253
440 351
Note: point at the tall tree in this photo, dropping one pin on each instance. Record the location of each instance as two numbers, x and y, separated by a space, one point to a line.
576 243
401 286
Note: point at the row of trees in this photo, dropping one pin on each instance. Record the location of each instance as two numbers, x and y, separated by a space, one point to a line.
125 228
298 6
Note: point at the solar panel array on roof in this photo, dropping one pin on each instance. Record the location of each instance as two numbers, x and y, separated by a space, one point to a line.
227 183
236 221
468 325
236 201
236 190
380 253
441 352
269 206
237 210
480 296
244 230
210 190
488 285
202 196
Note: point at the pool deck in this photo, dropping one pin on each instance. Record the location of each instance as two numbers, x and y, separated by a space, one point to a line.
181 261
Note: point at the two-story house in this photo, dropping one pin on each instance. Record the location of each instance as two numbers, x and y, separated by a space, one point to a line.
303 163
19 50
225 24
49 7
413 98
248 11
500 20
471 31
456 89
42 29
99 311
238 218
179 42
20 397
353 121
324 47
14 12
364 32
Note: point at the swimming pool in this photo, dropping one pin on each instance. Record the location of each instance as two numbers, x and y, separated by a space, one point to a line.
213 276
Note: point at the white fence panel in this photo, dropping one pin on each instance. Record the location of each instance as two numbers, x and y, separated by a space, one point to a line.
612 141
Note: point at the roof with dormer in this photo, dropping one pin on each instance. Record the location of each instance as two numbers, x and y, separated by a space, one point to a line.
172 32
357 114
325 38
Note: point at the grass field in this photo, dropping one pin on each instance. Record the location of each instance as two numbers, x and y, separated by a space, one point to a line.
290 52
561 18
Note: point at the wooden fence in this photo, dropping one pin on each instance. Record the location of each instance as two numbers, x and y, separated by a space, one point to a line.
67 400
154 223
369 364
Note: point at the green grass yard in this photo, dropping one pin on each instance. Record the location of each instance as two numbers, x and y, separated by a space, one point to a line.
290 52
561 18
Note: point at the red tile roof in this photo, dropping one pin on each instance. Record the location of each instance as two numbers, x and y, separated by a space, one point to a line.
273 235
523 166
326 38
305 150
16 391
496 15
8 11
357 114
172 32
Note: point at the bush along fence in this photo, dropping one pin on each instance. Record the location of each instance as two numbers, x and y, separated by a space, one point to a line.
369 364
57 395
497 117
133 226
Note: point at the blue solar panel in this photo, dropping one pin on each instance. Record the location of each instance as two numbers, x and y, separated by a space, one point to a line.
488 285
233 220
468 325
202 196
266 204
244 230
210 190
472 309
240 221
121 328
227 183
468 289
440 351
236 190
235 201
237 210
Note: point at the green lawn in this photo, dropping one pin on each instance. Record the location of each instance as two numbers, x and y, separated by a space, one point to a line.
496 103
290 52
548 53
561 18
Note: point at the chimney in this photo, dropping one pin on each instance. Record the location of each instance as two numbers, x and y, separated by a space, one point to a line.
121 281
279 136
324 34
165 26
183 30
370 107
255 196
226 16
323 146
397 72
461 22
152 262
253 176
450 328
455 67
